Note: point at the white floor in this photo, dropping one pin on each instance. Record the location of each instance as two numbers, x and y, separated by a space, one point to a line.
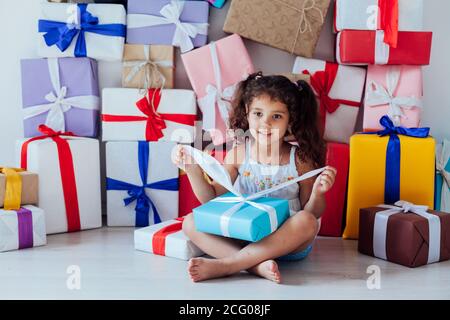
110 268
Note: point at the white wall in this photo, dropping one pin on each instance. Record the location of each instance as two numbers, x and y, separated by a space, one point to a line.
18 22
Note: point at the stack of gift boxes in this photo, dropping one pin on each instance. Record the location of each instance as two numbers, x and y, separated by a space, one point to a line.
393 159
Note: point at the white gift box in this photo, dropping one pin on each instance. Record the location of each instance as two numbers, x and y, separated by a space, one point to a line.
348 85
122 102
365 15
43 159
98 46
10 225
123 165
177 244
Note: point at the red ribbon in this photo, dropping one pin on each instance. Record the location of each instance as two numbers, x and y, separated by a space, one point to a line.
155 121
66 169
159 238
389 21
322 82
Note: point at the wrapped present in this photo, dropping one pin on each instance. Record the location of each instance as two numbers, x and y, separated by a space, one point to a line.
69 179
214 72
236 215
182 24
389 16
407 234
147 191
61 93
385 166
339 92
338 155
442 192
22 228
368 47
395 91
187 199
294 77
82 30
162 115
290 25
17 187
148 66
166 239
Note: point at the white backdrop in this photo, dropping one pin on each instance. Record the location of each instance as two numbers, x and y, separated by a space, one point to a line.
18 25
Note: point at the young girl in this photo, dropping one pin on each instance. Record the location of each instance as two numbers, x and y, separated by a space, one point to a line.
271 108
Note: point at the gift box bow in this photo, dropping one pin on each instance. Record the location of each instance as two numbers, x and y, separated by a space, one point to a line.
377 95
156 122
170 14
137 192
13 191
62 34
219 174
381 222
151 69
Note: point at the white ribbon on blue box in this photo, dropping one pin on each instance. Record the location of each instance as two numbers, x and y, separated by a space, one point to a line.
237 215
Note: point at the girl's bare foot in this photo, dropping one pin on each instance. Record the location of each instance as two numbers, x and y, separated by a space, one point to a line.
267 269
202 269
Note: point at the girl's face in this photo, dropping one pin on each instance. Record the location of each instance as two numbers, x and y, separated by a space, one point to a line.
268 120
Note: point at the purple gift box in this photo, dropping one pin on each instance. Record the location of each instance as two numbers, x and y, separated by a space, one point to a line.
79 76
193 12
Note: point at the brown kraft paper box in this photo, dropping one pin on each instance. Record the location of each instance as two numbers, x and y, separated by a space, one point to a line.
29 188
290 25
407 236
134 54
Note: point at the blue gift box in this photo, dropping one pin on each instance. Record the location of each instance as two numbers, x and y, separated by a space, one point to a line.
248 223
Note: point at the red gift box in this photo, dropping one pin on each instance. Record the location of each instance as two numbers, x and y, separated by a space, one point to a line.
338 156
367 47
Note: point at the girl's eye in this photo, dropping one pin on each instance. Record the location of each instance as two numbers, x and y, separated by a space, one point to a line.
277 116
258 114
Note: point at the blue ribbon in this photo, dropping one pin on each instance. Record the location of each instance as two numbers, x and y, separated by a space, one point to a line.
393 151
62 34
137 193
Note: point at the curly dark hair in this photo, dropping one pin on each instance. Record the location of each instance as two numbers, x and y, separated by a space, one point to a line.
301 103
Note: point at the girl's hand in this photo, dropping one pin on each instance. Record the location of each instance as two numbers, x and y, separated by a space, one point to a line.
183 160
324 181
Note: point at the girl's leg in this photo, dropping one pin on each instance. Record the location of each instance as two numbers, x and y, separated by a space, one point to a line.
221 247
294 235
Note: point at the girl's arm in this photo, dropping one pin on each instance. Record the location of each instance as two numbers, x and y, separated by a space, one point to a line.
203 190
312 191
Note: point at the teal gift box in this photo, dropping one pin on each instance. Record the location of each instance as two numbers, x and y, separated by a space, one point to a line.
219 217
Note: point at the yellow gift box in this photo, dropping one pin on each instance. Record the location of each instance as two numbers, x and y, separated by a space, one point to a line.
367 174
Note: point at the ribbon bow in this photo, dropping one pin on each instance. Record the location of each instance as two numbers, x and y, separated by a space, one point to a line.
381 221
170 14
138 193
62 34
377 95
67 171
59 103
392 175
155 121
13 190
322 82
151 69
219 174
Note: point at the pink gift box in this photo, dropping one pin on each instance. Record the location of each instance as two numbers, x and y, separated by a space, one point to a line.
234 65
395 91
